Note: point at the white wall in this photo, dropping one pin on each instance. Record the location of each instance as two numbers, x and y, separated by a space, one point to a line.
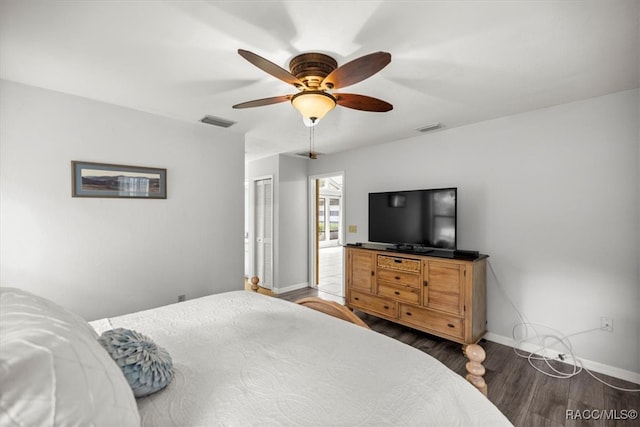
294 223
290 243
551 195
104 257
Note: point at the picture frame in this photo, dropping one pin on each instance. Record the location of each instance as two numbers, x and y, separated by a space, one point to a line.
91 179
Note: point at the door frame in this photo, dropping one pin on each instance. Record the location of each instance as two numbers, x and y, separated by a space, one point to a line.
313 221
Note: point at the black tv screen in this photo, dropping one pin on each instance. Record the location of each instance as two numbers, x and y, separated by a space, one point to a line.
425 218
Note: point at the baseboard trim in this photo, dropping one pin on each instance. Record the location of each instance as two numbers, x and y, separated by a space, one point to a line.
290 288
596 367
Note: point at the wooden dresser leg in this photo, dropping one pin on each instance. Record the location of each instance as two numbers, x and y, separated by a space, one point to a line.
476 356
254 284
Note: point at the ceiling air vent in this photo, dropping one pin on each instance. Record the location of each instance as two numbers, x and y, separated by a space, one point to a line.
217 121
432 126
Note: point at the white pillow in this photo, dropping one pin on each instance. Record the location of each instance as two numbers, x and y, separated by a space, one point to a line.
53 371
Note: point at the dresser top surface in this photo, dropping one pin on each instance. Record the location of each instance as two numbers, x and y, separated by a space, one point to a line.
435 253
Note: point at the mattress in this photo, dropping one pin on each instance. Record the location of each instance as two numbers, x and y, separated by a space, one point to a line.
241 358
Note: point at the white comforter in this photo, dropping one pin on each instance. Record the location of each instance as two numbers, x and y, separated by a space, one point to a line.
241 358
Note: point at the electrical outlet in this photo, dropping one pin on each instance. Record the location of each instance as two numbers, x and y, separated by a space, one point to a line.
182 298
606 324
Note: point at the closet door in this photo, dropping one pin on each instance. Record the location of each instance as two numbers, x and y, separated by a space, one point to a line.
263 256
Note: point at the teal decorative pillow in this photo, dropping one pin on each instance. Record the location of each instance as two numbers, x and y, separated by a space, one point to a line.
147 366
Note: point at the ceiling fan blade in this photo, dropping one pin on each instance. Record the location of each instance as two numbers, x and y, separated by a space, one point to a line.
270 68
362 102
357 70
262 102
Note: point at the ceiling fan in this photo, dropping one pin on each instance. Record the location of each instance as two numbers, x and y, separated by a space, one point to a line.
315 75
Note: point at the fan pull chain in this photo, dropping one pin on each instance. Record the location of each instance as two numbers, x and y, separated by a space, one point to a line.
312 138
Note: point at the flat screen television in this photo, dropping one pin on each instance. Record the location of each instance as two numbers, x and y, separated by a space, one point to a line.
416 219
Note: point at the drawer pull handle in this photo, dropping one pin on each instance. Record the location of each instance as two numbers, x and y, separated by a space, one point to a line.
356 298
397 277
398 261
373 273
396 292
425 283
408 313
450 325
386 307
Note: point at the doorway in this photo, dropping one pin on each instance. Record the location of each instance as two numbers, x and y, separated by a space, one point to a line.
327 233
263 230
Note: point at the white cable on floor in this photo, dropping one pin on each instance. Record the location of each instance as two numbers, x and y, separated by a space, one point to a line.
540 353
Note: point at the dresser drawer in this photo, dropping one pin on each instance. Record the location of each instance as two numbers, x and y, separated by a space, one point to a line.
403 293
427 319
399 277
373 303
399 263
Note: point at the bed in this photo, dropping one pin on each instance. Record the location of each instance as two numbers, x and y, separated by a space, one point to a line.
239 358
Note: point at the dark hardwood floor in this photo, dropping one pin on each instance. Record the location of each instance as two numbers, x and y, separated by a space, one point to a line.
526 396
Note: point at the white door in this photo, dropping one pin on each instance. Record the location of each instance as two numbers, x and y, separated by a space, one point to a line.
263 247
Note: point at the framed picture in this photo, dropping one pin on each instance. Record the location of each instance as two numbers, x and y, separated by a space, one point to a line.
105 180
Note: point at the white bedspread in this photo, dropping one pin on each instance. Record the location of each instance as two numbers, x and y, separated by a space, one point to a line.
241 358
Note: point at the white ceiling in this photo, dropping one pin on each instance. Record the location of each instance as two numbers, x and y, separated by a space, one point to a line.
453 62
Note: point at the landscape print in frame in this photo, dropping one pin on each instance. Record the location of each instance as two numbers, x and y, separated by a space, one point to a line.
120 181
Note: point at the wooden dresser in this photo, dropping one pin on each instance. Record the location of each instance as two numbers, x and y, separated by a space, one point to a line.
441 296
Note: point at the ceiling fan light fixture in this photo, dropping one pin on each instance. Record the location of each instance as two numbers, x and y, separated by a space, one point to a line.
313 104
